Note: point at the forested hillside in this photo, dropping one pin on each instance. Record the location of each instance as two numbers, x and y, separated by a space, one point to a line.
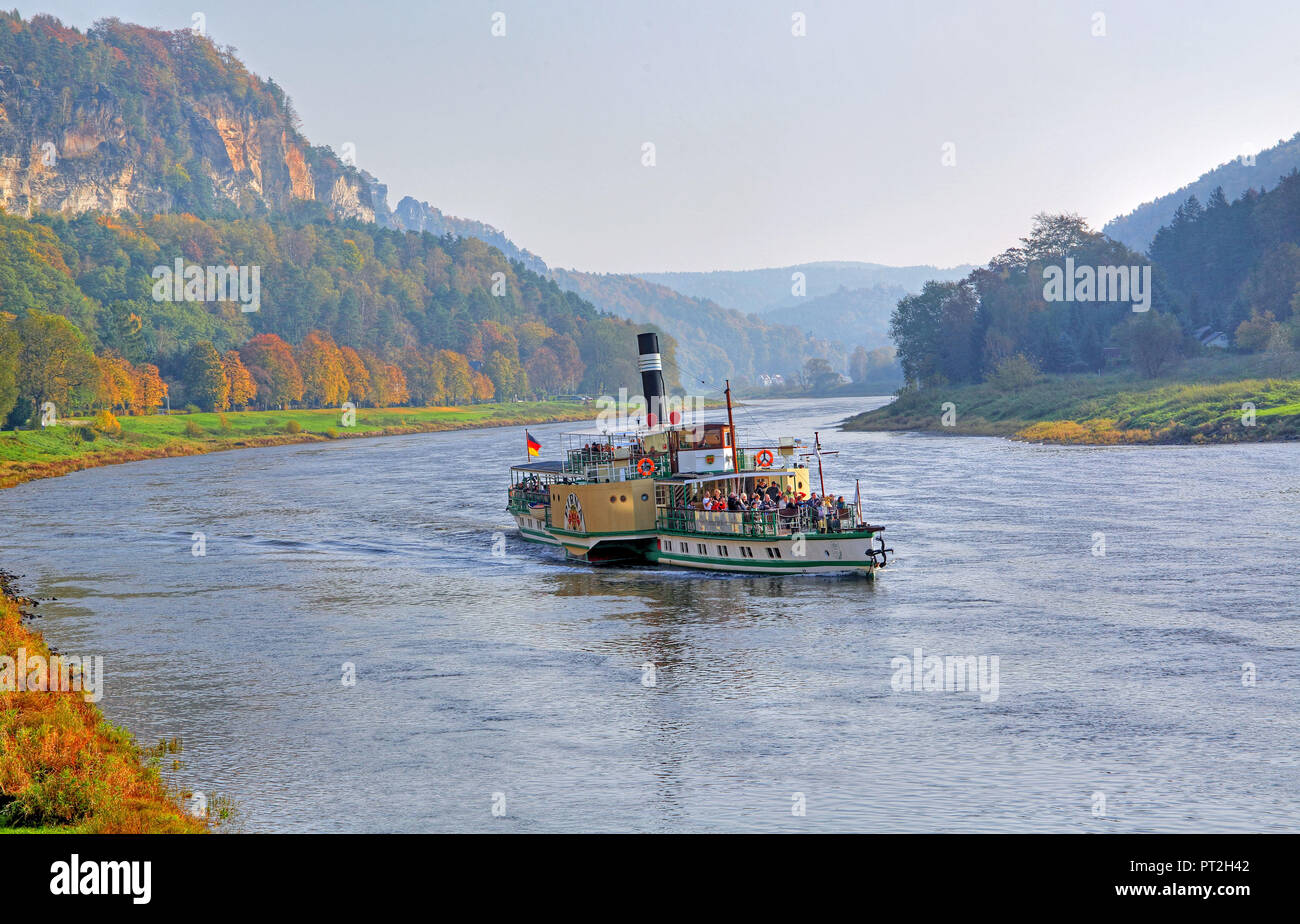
172 237
410 215
1236 265
348 311
1259 171
1228 267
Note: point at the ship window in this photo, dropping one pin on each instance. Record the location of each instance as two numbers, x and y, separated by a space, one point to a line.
645 497
778 552
769 552
701 548
722 550
685 547
612 498
622 498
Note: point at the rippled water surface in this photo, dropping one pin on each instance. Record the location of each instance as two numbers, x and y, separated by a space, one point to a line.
522 675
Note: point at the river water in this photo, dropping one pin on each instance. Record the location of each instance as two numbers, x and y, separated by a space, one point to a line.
516 680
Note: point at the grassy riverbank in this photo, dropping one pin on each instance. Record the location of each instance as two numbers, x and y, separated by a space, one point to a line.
1206 402
63 768
29 454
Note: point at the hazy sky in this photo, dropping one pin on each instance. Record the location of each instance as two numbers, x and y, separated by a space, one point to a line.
771 149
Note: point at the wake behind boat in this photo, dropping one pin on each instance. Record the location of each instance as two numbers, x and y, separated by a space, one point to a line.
688 496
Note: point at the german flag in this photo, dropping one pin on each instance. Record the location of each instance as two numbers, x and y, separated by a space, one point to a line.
534 447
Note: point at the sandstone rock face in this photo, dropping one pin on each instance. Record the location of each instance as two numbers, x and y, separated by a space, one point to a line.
70 150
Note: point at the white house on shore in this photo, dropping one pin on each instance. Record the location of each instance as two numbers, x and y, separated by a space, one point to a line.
1209 337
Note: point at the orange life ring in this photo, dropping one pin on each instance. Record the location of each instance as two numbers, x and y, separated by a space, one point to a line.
646 467
764 458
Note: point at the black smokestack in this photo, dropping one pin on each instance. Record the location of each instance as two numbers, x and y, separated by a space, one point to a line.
652 375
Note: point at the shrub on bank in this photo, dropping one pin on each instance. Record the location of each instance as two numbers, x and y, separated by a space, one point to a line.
106 422
62 765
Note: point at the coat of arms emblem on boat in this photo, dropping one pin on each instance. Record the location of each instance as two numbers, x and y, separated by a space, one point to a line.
573 519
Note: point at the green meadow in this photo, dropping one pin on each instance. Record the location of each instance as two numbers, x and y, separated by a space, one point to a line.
77 443
1205 401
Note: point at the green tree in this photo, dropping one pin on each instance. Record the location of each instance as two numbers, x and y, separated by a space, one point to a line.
1153 340
9 348
1255 334
817 375
205 378
54 361
934 332
859 363
506 374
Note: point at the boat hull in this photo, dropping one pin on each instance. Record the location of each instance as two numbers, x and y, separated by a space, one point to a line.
811 555
534 529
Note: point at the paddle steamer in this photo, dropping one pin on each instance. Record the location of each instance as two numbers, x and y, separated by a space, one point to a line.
639 495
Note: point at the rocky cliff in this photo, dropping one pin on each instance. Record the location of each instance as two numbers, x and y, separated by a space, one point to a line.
123 118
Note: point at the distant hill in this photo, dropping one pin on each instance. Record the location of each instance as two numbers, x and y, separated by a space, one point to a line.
856 317
1138 228
412 215
760 290
713 343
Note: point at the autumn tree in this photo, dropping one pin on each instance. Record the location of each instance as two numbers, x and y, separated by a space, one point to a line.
544 372
150 388
482 387
498 338
242 387
358 375
458 384
531 335
324 382
117 382
387 386
394 385
275 372
205 378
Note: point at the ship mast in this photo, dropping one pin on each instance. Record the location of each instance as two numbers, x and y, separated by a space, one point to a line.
731 425
817 451
821 476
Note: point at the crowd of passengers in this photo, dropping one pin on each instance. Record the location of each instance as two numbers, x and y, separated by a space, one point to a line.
770 497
